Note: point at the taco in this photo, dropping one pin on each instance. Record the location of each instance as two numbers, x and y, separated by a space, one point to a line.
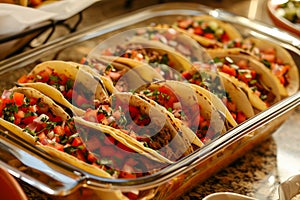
179 43
248 74
278 60
164 59
40 121
147 126
190 106
221 91
67 83
207 30
123 76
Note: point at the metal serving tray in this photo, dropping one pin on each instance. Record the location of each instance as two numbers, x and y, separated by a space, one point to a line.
56 178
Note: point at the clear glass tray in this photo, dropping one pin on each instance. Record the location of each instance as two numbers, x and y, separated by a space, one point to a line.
57 178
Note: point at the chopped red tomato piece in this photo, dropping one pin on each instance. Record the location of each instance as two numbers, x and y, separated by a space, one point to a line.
18 98
228 70
76 142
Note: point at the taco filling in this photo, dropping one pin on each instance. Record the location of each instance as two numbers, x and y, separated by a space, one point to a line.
168 36
109 71
160 62
164 96
268 56
242 72
207 29
215 86
130 119
65 85
36 118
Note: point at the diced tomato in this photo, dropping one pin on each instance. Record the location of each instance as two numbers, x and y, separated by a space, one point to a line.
80 100
68 131
228 70
29 119
18 98
225 37
18 117
42 138
91 158
20 114
243 77
125 148
187 75
45 75
63 79
100 117
240 117
91 115
169 97
59 130
76 142
56 118
282 80
231 106
33 101
107 151
69 94
23 79
198 30
80 156
209 36
134 111
243 64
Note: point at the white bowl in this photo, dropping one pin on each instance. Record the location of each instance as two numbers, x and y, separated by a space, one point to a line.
289 188
227 196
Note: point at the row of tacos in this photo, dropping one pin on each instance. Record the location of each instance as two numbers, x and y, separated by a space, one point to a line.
134 107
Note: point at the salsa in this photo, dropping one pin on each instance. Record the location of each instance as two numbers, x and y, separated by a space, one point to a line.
244 73
207 29
65 85
161 62
130 120
268 56
215 86
166 97
36 118
109 71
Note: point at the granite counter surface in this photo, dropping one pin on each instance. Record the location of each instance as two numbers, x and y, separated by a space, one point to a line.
258 173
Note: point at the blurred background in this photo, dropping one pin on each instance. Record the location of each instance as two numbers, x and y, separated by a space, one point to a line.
14 44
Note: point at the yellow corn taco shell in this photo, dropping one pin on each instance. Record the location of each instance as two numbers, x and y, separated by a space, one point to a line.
75 73
285 57
266 78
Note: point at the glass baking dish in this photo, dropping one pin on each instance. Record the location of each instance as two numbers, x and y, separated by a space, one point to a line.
59 179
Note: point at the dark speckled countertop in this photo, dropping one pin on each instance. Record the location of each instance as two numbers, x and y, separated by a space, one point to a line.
257 173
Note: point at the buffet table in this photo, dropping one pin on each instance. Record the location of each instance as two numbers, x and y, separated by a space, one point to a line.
259 172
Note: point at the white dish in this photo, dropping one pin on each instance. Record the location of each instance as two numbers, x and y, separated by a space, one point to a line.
227 196
290 188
